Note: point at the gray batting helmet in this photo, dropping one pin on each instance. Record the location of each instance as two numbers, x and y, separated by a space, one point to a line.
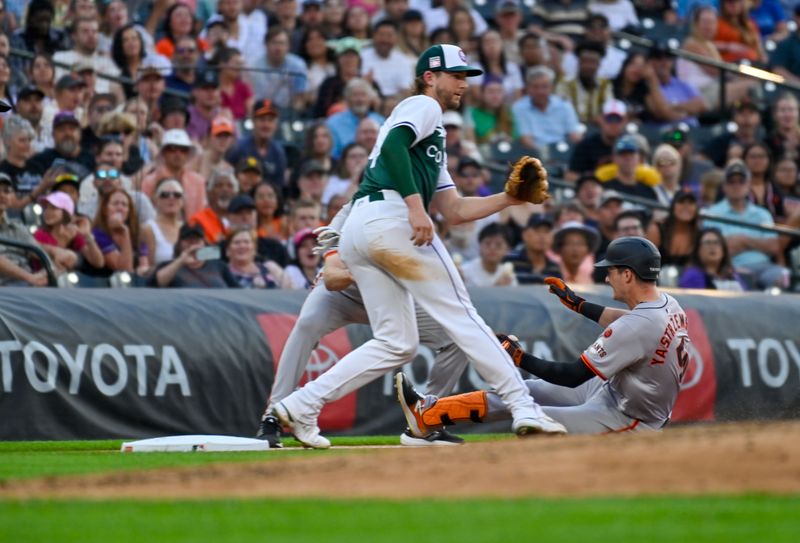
638 254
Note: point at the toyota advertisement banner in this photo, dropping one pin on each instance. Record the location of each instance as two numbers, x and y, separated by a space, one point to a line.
137 363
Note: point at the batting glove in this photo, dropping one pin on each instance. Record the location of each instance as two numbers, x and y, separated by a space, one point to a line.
565 294
512 347
327 239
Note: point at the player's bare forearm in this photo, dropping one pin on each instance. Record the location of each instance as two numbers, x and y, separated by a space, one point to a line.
459 209
335 273
420 221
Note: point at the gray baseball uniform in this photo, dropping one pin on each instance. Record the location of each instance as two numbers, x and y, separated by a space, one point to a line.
639 360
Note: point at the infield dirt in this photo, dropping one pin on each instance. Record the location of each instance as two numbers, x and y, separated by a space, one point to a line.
704 459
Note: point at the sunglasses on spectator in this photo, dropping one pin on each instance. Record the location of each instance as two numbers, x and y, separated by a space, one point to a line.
170 194
171 148
736 180
185 50
107 174
612 118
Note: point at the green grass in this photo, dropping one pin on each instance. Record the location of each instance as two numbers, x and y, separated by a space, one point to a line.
710 519
29 459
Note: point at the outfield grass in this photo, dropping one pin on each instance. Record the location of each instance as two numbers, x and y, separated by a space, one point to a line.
748 519
28 459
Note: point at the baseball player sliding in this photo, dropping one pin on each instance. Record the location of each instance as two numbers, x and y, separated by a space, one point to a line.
336 302
390 247
628 379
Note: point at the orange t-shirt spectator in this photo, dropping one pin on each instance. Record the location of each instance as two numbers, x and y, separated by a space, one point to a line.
222 187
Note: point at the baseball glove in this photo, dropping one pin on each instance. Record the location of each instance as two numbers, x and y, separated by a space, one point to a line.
327 239
527 181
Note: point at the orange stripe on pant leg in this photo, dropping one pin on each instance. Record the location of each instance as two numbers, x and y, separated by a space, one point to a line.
628 428
471 406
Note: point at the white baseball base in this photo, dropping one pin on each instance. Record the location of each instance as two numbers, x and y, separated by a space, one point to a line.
195 443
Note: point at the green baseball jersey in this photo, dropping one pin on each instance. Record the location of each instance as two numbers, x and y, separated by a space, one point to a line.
423 115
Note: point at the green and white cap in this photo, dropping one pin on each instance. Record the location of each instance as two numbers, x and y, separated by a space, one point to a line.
445 58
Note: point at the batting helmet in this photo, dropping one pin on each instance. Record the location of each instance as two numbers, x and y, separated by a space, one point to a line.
638 254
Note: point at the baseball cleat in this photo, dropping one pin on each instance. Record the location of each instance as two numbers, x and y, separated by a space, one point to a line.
412 404
542 424
307 434
439 438
269 430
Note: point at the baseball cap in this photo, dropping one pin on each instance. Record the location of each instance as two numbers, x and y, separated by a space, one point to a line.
313 166
626 144
177 137
452 118
659 49
249 163
241 202
60 200
676 135
611 196
539 219
69 82
82 65
412 15
206 79
586 178
29 90
67 178
190 231
591 234
65 117
752 105
613 106
737 167
445 58
684 193
505 6
154 65
172 104
222 125
467 162
264 107
312 3
302 235
5 179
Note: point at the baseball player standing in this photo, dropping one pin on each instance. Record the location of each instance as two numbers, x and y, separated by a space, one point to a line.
628 379
336 302
390 247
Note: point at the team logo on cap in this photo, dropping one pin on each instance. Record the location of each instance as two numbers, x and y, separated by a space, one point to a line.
434 62
462 56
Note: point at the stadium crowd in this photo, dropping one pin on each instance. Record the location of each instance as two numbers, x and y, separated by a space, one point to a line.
198 143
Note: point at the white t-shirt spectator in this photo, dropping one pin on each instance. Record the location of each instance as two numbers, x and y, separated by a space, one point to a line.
476 276
393 74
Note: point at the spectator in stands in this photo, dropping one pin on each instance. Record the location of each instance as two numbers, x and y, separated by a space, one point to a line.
784 177
588 192
508 18
531 263
116 229
770 18
367 133
285 80
737 35
677 234
222 187
412 35
61 239
543 117
30 106
561 17
176 150
113 17
567 211
42 74
66 146
192 270
320 61
173 112
302 272
597 30
626 157
630 222
38 35
17 138
15 265
611 204
575 243
762 192
752 250
235 95
242 213
710 187
345 179
69 91
456 143
693 166
462 29
785 136
333 18
462 239
710 265
150 86
261 144
241 253
359 97
704 78
685 104
312 181
747 118
269 206
668 162
620 13
122 126
638 86
249 174
302 214
6 91
348 67
597 149
357 23
179 23
310 17
107 177
84 37
318 145
532 53
220 140
205 105
184 62
393 10
488 270
491 118
243 35
785 59
384 63
492 59
161 232
587 92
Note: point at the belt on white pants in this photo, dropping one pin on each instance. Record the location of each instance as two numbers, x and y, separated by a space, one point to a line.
378 196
